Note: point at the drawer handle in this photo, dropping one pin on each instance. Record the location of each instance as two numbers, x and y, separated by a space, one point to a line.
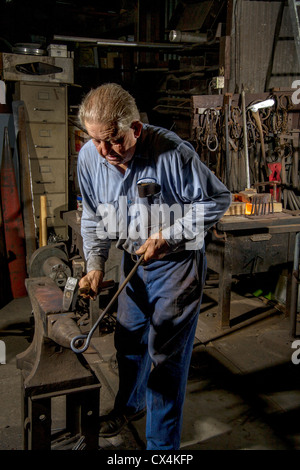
44 182
43 146
42 109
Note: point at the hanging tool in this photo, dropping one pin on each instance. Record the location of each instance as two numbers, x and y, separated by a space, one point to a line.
211 117
207 131
88 337
255 112
246 155
227 99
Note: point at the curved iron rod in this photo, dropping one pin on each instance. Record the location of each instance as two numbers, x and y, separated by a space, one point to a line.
79 338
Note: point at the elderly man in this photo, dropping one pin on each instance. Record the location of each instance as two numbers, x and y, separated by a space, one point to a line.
147 188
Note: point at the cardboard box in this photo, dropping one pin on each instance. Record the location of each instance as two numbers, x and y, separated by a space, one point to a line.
57 50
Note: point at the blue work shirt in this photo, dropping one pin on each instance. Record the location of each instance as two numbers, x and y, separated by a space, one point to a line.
112 206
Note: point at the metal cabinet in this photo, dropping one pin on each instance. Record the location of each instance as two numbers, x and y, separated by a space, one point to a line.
47 132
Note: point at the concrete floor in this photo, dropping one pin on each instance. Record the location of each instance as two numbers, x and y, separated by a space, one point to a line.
243 391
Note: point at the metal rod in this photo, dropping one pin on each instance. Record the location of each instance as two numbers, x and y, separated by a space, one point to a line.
118 43
238 326
181 36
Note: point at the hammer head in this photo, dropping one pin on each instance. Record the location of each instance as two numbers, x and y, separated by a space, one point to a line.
147 188
70 294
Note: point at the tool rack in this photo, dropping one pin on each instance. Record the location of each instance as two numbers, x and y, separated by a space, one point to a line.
272 145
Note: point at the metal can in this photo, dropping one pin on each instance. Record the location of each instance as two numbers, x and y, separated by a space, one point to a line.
79 203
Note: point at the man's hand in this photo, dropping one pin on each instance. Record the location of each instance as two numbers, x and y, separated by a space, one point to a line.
92 283
155 247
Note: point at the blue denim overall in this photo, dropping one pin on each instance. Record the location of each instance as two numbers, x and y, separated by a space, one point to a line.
156 323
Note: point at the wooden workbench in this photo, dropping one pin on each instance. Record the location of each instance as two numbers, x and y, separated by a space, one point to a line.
248 245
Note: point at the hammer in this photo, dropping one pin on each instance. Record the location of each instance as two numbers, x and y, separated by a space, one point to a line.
72 291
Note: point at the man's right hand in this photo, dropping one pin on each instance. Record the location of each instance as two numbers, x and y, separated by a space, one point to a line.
92 283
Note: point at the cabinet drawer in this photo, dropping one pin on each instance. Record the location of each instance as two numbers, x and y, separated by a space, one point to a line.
47 141
48 176
44 103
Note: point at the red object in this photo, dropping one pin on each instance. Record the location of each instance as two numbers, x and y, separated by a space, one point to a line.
275 169
13 223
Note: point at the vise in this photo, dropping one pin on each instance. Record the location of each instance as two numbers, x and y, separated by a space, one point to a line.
49 368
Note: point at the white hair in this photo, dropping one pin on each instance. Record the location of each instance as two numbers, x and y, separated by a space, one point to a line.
111 105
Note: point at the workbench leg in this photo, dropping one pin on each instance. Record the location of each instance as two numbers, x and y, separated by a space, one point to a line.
225 281
39 432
